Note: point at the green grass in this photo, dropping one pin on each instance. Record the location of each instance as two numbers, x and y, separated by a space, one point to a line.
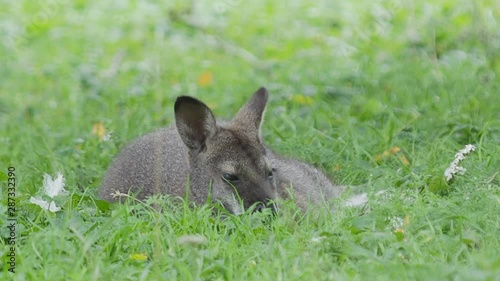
348 81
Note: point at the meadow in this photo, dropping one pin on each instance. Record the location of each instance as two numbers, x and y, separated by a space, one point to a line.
381 95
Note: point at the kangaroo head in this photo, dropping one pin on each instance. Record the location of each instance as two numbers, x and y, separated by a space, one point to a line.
230 155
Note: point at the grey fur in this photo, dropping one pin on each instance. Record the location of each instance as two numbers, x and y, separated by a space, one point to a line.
199 151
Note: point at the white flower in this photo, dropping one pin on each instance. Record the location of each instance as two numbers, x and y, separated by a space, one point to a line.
396 222
52 188
454 169
106 137
44 204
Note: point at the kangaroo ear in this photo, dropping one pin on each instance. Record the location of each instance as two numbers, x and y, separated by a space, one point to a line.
195 122
250 115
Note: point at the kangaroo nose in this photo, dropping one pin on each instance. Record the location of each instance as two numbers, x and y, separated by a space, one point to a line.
259 207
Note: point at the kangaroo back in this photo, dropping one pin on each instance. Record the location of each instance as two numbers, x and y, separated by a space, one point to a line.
303 183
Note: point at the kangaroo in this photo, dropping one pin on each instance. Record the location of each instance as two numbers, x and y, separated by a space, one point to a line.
226 161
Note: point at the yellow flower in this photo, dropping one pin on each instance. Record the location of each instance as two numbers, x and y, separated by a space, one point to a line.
139 257
396 151
99 131
205 79
301 99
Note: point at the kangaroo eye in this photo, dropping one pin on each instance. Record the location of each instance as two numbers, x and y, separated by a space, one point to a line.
230 177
